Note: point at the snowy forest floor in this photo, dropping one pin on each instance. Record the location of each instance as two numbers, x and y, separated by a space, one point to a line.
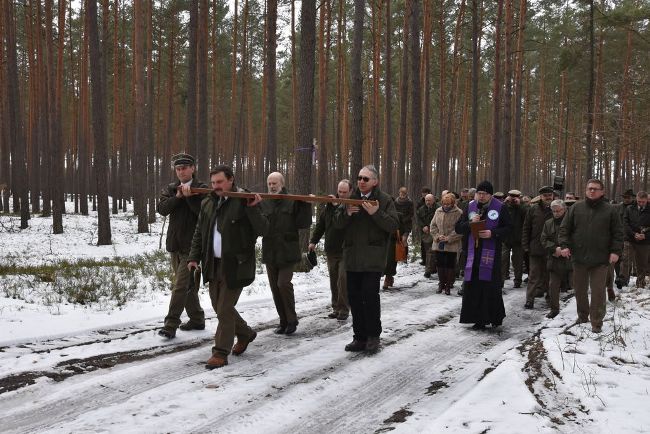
79 353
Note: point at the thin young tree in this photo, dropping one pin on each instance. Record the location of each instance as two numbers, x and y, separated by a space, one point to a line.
270 80
416 98
387 167
139 175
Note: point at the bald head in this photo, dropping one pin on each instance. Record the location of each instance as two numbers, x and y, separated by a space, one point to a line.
275 182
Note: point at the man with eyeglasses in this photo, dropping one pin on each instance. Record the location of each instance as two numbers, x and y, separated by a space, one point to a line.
591 234
365 251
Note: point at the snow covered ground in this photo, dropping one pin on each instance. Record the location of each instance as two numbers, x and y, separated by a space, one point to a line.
66 367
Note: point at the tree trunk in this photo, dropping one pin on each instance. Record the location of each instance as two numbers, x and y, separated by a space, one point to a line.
356 88
190 120
475 80
506 141
201 126
270 80
19 183
589 157
404 98
416 98
99 133
388 106
519 70
139 175
495 152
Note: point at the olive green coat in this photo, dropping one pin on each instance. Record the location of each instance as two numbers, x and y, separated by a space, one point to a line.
239 225
280 246
549 240
367 236
592 232
183 213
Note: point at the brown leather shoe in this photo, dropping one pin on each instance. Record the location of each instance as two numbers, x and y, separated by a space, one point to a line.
356 346
388 282
242 344
216 361
333 315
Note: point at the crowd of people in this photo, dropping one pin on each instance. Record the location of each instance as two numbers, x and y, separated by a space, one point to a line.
480 236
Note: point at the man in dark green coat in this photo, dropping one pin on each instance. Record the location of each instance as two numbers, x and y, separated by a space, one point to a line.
182 207
424 216
365 250
592 235
559 267
281 249
334 252
224 244
512 243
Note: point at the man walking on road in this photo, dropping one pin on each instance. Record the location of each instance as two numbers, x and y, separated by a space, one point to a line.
591 234
365 250
281 249
224 242
334 252
182 207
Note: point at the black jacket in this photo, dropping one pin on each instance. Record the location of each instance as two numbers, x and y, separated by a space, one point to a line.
281 247
239 225
637 222
183 214
325 226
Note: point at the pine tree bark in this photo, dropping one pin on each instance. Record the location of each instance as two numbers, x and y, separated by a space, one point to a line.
416 98
99 133
191 110
270 80
19 182
388 105
495 152
589 157
203 160
404 98
475 81
139 175
356 88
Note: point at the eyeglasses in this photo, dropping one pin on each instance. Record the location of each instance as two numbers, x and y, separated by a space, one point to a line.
363 178
593 189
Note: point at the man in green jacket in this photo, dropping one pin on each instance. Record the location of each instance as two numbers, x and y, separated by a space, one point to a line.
281 249
536 215
365 250
182 207
224 243
334 252
592 235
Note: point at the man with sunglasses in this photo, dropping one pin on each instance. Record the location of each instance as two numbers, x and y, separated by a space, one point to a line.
591 235
365 251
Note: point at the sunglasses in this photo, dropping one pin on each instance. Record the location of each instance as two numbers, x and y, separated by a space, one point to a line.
363 178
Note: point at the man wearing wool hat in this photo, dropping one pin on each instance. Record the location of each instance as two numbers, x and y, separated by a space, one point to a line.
482 296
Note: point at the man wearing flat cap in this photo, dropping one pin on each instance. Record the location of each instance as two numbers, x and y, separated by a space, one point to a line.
536 216
512 243
482 296
182 207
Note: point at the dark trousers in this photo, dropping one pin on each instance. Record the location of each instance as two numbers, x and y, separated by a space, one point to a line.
182 299
363 294
282 290
517 261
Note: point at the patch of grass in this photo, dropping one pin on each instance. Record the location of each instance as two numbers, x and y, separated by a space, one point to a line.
86 281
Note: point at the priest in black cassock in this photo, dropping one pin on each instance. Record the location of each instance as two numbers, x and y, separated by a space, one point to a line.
482 297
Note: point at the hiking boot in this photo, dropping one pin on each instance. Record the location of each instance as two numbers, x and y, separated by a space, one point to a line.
552 314
189 325
478 326
167 333
216 361
517 285
427 274
291 329
440 289
447 290
342 317
388 282
611 295
242 344
356 346
581 321
596 329
529 305
372 345
333 315
280 330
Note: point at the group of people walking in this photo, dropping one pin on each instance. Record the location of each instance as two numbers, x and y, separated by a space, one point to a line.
477 235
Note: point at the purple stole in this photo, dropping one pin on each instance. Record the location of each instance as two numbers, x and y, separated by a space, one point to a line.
491 216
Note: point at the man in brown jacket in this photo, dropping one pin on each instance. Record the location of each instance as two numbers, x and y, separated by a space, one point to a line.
591 234
182 207
530 240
